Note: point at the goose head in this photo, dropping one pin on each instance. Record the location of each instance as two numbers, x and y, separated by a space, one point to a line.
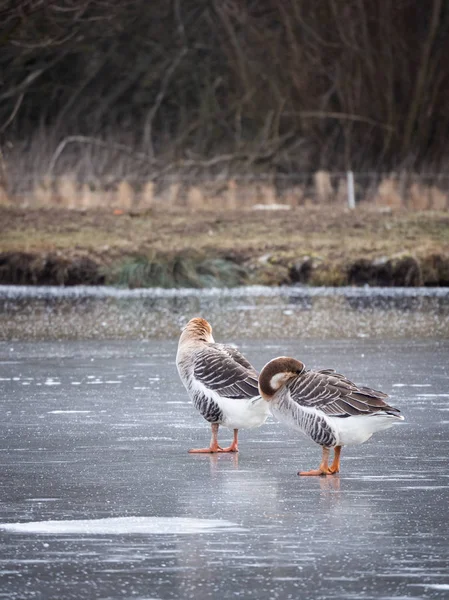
276 374
197 329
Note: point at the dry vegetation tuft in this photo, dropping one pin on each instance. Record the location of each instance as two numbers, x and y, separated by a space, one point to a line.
322 189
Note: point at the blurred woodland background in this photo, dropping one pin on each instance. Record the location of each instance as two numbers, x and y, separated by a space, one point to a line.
135 98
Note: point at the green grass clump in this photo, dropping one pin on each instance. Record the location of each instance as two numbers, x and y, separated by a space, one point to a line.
176 272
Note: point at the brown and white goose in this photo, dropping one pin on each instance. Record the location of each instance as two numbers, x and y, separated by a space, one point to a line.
221 383
325 406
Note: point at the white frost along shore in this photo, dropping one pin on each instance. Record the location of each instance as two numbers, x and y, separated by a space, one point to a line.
84 291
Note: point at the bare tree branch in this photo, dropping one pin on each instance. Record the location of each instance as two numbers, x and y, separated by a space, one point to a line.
13 114
147 136
81 139
19 89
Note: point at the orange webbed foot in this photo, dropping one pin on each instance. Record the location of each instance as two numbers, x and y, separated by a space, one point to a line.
211 450
333 470
231 448
314 472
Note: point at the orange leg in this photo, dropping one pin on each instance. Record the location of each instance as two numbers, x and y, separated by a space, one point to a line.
234 447
323 469
335 466
214 447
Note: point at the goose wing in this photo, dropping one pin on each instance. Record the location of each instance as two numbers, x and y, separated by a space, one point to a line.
336 395
235 354
226 371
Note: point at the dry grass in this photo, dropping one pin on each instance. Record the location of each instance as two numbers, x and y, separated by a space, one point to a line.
406 190
158 247
326 233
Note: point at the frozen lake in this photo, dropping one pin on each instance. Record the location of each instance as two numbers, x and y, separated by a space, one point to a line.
101 500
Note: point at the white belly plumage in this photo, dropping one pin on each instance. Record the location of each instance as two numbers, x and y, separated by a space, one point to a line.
237 413
359 428
345 431
242 413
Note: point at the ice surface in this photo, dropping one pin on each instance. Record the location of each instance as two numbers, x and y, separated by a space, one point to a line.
91 473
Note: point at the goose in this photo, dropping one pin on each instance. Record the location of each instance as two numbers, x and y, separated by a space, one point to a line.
221 383
325 406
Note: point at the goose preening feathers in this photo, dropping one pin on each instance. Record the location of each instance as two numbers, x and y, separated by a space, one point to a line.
325 406
221 383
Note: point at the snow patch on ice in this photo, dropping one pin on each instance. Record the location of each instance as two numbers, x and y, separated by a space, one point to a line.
412 385
41 499
124 525
68 412
434 396
432 586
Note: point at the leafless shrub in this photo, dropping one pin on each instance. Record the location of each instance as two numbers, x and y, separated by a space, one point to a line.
231 196
324 189
132 90
4 198
195 198
146 198
294 196
124 196
267 194
67 193
388 194
439 199
43 193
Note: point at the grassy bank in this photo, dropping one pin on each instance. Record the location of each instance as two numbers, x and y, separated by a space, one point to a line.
325 246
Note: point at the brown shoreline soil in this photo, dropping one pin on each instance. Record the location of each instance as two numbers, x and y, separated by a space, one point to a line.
326 245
